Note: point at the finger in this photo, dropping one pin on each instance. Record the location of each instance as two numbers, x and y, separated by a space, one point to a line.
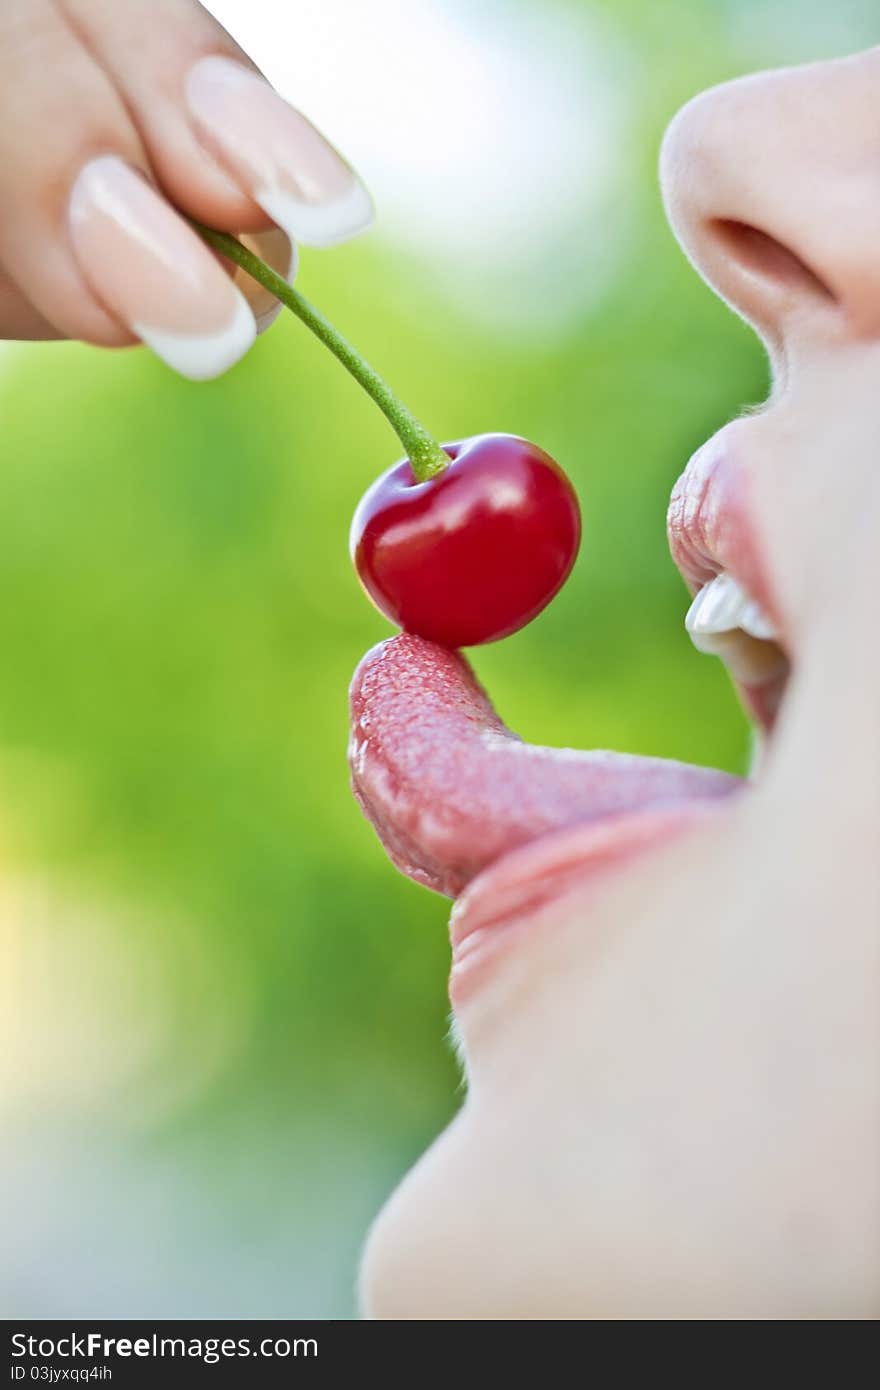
145 50
202 108
19 319
96 251
45 79
149 265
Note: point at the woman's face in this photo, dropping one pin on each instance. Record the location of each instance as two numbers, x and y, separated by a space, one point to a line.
669 1014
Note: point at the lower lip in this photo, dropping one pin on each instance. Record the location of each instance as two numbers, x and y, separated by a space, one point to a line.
500 905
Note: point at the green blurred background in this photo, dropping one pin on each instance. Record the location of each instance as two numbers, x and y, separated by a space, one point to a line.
223 1018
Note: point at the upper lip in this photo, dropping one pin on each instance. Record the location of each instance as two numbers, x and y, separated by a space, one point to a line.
708 522
451 791
712 533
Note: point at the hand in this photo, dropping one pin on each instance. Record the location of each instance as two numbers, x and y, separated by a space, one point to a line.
120 121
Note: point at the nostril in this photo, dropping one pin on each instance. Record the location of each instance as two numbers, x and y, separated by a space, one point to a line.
762 255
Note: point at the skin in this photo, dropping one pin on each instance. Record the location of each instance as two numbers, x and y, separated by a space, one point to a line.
673 1105
673 1076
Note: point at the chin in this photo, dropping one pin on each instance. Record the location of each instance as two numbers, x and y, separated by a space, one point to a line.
414 1254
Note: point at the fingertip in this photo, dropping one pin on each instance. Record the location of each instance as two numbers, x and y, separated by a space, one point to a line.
273 151
194 180
148 266
322 225
203 357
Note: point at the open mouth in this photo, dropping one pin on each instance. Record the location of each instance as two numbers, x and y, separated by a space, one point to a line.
459 800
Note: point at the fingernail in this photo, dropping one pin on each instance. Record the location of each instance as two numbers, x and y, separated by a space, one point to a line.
280 159
151 271
277 250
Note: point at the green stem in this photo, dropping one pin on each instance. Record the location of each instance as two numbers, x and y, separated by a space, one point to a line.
422 450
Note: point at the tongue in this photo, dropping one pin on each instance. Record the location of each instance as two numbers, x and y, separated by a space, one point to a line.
449 789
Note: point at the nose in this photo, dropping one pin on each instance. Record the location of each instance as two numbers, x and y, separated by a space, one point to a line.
772 186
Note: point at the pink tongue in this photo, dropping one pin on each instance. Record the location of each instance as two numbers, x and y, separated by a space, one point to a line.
449 789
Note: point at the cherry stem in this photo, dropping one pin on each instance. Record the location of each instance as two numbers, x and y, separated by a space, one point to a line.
426 457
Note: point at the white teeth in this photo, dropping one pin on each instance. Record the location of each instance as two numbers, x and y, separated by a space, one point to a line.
723 605
755 621
718 606
724 621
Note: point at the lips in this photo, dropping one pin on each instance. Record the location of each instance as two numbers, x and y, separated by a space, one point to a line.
511 894
450 790
734 615
708 525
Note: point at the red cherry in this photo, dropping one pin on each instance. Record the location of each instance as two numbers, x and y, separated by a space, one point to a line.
475 552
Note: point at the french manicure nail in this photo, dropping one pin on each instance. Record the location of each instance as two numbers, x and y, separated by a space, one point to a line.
151 271
280 159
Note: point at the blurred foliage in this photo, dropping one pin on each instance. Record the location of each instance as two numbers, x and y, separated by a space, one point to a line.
180 622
